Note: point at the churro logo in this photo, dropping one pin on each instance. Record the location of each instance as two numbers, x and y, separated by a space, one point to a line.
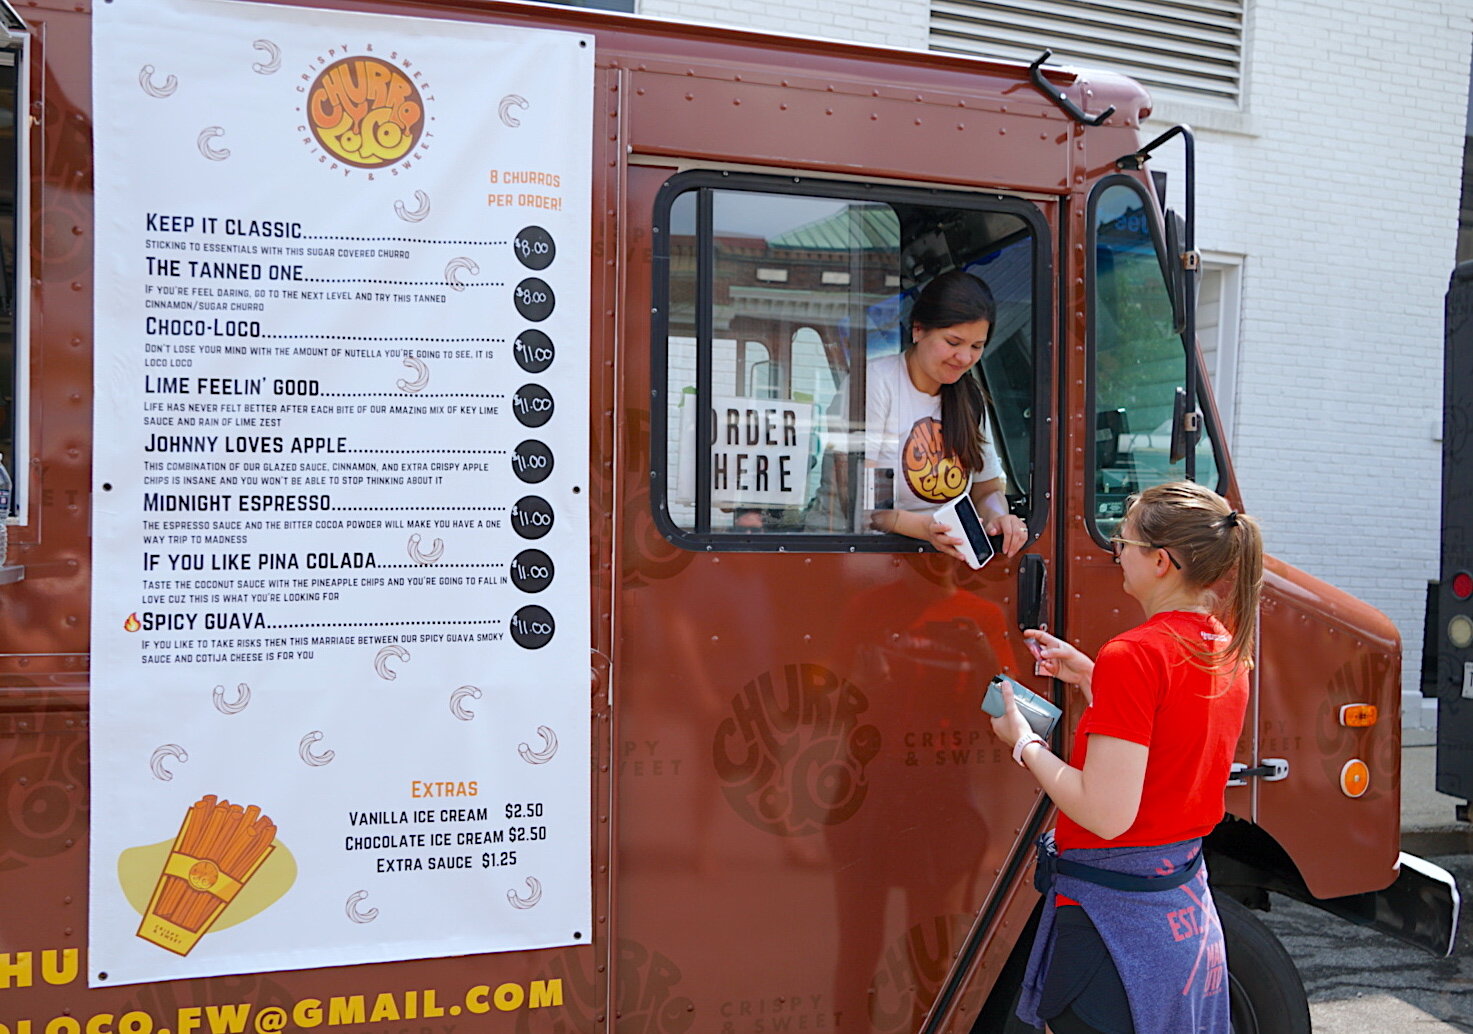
911 971
647 994
791 756
931 474
364 111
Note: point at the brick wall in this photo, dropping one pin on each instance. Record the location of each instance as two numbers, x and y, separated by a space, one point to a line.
895 23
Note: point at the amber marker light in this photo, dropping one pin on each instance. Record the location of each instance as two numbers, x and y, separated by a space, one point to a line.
1359 716
1355 778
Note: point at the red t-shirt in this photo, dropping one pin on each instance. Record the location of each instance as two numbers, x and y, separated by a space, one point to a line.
1147 690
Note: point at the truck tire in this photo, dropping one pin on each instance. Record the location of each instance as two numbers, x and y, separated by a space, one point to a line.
1265 993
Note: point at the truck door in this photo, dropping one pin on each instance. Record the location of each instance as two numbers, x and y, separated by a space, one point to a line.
811 811
1129 428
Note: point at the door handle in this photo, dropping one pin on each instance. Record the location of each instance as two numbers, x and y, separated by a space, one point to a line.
1032 590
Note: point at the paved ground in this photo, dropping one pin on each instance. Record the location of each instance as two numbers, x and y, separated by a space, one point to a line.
1361 981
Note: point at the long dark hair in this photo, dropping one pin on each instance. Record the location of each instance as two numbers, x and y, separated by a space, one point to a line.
950 299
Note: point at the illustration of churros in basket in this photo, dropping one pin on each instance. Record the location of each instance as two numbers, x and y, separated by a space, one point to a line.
219 848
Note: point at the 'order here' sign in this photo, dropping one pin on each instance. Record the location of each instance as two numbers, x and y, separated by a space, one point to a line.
759 451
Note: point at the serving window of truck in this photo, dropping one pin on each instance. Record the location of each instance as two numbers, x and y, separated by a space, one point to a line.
778 294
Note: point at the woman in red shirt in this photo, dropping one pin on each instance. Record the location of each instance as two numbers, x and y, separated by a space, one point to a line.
1139 948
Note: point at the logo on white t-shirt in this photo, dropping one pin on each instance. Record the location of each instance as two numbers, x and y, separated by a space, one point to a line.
931 473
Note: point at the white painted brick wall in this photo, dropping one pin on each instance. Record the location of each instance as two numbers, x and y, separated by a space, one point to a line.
893 23
1339 184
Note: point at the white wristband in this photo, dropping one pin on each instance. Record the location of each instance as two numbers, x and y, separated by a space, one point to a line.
1022 743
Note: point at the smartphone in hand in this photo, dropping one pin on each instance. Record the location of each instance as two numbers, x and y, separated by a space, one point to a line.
961 515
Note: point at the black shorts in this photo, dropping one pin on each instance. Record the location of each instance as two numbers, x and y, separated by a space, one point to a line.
1082 990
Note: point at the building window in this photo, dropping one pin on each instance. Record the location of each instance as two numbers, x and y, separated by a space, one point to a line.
1189 48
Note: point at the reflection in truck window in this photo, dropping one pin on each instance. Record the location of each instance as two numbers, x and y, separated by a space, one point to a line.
801 292
1139 359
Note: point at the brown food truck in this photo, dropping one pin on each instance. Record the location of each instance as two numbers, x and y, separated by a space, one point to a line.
796 816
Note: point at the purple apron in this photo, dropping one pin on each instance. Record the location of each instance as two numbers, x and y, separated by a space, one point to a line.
1166 943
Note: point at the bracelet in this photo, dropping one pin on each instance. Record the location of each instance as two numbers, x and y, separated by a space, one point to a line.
1022 743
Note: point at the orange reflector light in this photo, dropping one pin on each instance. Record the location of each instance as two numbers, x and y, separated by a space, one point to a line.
1355 778
1359 716
1463 585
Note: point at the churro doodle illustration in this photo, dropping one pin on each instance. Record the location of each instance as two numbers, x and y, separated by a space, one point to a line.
381 661
421 374
429 556
236 706
543 756
214 154
156 762
304 750
457 702
219 848
508 102
534 895
456 266
368 915
145 80
416 214
273 57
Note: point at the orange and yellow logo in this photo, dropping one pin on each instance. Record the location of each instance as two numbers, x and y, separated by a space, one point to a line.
931 474
365 112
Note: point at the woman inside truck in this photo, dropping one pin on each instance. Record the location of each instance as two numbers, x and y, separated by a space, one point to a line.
1129 940
926 420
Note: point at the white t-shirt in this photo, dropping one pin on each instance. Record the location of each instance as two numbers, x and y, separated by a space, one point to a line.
903 432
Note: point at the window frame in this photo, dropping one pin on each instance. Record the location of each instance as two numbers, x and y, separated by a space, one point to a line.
705 182
1210 426
15 44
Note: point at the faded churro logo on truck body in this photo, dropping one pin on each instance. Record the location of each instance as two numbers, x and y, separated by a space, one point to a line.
364 110
932 474
792 754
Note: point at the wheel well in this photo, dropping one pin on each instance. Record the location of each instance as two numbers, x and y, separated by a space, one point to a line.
1245 863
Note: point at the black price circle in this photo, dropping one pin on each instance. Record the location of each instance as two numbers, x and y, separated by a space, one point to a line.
534 299
534 248
532 405
532 570
531 461
533 350
531 517
532 627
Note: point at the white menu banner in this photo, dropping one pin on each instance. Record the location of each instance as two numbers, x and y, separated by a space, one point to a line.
340 636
